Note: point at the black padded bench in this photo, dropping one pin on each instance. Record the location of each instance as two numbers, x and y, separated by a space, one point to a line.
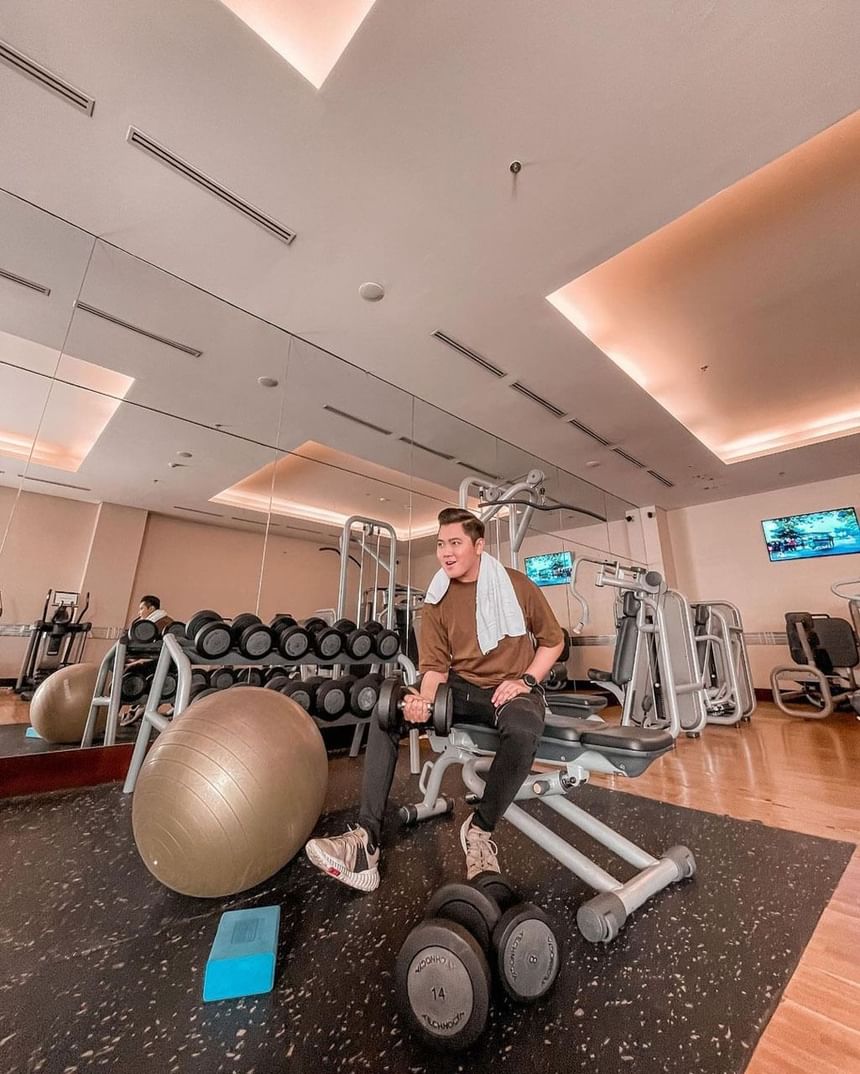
629 749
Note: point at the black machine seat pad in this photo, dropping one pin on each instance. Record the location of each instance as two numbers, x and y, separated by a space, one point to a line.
636 739
564 702
596 675
586 733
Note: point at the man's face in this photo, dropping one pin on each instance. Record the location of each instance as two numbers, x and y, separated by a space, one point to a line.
143 610
457 555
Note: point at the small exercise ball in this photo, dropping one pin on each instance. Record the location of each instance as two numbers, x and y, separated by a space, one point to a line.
229 792
61 704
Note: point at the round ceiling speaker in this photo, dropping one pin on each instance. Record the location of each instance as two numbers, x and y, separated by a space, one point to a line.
372 292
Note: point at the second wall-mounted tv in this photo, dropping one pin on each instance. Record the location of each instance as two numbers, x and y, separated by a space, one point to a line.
818 533
553 568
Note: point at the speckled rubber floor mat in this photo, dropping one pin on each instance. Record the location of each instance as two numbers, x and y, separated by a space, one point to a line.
101 968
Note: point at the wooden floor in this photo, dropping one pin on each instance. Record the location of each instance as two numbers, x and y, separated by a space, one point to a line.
12 708
803 775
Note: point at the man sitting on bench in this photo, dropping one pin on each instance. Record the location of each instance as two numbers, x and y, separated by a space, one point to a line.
478 623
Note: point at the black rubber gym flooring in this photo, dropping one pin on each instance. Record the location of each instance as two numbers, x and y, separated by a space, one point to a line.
102 968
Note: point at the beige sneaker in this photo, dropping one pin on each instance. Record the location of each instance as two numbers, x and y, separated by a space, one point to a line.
347 858
479 848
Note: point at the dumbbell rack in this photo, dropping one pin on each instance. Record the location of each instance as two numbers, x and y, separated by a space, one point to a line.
113 663
183 656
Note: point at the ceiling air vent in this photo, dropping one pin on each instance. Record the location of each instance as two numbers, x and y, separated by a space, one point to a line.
14 278
87 308
250 521
59 484
47 79
535 398
470 354
589 432
477 470
429 450
629 458
663 480
357 420
148 145
197 511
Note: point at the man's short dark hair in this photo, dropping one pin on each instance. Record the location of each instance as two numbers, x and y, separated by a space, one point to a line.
152 601
472 527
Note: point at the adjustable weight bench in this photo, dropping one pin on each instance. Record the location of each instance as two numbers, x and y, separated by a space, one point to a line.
575 748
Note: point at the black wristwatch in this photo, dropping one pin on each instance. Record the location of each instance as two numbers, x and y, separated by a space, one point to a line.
530 681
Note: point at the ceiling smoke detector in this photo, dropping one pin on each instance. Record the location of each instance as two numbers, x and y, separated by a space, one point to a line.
372 292
267 382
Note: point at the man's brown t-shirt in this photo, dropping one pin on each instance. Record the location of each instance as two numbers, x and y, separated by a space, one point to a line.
449 634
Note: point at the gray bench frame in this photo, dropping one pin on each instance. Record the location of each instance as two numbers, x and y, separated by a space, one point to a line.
600 918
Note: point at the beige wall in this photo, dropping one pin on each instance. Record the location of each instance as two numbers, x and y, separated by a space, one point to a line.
46 548
719 553
110 568
192 566
120 553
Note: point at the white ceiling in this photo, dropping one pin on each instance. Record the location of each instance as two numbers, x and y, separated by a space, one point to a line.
625 116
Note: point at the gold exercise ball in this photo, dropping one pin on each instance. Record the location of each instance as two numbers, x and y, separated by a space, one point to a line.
61 703
229 792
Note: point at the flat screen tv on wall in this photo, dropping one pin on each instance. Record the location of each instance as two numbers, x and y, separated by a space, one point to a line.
819 533
552 568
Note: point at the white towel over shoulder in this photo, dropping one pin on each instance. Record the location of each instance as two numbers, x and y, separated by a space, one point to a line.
498 611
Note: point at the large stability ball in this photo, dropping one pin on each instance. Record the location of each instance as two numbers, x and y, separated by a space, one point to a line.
61 704
229 792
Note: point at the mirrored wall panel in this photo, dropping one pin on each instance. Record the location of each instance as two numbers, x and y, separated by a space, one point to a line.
157 441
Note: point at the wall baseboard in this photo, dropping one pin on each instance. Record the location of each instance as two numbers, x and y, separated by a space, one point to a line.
39 773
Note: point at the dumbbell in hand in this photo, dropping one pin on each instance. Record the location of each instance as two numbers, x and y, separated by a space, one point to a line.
392 696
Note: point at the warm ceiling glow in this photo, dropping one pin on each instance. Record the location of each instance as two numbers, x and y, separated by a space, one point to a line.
742 317
311 35
70 412
321 484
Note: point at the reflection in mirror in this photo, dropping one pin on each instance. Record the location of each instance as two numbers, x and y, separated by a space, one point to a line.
187 353
344 452
170 443
42 266
106 435
133 525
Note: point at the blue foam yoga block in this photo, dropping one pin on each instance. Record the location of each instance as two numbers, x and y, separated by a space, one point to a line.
31 732
242 959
